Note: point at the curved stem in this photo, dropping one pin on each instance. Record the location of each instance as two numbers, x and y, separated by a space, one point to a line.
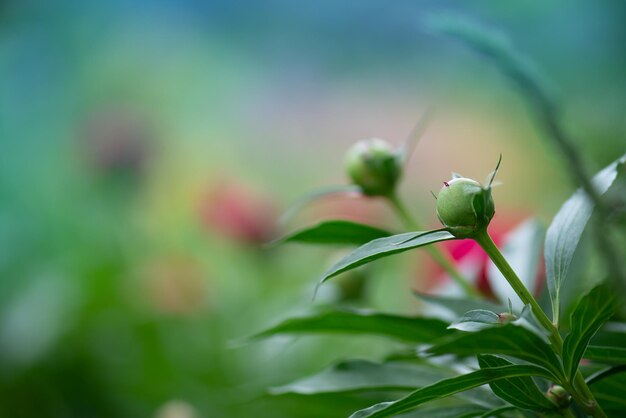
578 388
439 256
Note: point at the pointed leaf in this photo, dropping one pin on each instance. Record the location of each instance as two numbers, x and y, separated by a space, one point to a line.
510 340
412 329
336 232
519 391
566 229
605 355
522 249
476 320
448 387
610 392
384 247
362 375
592 311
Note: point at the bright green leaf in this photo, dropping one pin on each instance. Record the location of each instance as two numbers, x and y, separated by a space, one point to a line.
362 375
591 312
384 247
448 387
412 329
519 391
336 232
566 229
510 340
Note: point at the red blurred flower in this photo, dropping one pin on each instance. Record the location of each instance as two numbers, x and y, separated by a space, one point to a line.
234 211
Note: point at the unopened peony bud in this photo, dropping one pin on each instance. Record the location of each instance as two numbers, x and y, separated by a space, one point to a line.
464 206
374 167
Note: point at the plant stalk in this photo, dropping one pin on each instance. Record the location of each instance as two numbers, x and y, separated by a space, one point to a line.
441 258
579 389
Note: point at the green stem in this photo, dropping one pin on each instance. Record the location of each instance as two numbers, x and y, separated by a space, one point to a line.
441 258
579 389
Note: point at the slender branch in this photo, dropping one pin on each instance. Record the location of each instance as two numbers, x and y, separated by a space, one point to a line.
441 258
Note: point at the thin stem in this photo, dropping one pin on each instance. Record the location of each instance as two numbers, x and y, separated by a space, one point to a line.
441 258
579 389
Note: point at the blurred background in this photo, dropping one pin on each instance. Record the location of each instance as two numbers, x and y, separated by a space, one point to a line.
148 147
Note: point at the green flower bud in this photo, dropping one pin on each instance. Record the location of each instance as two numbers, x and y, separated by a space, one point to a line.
559 396
464 206
374 167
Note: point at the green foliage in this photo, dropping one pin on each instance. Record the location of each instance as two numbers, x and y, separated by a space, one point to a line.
518 391
448 387
566 229
411 329
592 311
336 232
384 247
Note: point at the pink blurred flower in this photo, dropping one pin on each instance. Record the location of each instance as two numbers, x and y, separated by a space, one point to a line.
234 211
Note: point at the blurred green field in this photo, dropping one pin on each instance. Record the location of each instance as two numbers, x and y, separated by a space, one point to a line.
147 149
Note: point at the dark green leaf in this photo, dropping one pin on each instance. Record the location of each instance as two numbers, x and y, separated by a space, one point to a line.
412 329
448 387
476 320
519 391
610 393
522 249
566 229
591 312
384 247
361 375
606 355
497 412
510 340
336 232
605 373
463 411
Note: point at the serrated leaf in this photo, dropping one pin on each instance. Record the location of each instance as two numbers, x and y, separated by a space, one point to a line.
510 340
411 329
566 229
448 387
336 232
591 312
384 247
362 375
605 355
476 320
522 249
519 391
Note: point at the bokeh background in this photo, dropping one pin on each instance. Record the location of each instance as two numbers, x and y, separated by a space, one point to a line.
148 147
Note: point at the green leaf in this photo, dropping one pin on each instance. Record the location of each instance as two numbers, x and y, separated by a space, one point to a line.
476 320
566 229
591 312
362 375
411 329
519 391
605 373
606 355
610 392
336 232
462 411
384 247
448 387
510 340
522 249
459 306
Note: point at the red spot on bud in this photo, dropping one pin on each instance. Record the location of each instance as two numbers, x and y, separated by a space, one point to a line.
445 183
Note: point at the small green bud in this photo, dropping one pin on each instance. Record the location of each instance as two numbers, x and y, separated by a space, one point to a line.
374 167
464 206
559 396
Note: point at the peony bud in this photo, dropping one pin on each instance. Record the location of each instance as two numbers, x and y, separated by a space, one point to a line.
374 167
464 206
559 396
